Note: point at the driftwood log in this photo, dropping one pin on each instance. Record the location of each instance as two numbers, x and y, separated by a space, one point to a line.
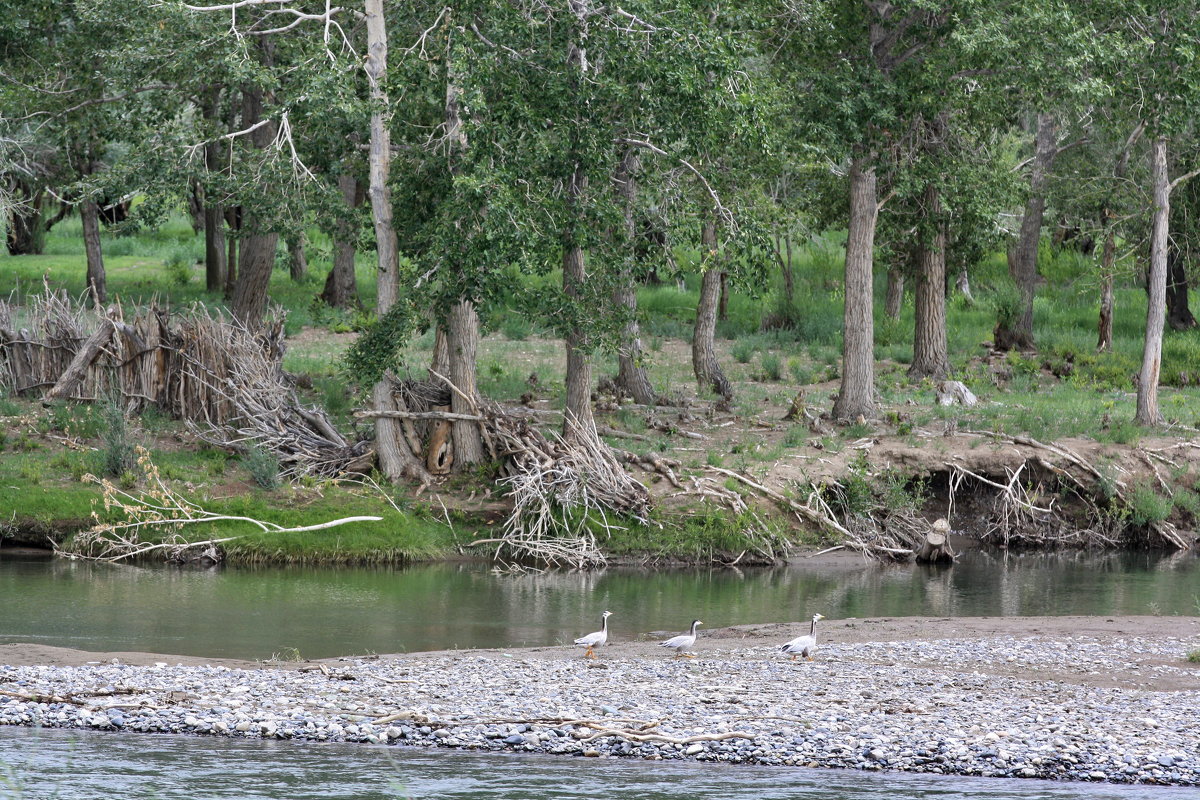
936 547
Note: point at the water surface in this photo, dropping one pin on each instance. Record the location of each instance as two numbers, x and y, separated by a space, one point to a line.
323 612
83 765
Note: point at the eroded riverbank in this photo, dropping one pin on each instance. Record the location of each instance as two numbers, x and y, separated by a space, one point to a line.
1048 697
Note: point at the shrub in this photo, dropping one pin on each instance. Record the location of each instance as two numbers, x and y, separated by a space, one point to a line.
116 448
743 350
772 369
179 266
1147 506
263 466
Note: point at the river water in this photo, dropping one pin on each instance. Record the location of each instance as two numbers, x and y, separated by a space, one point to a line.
316 613
68 765
326 612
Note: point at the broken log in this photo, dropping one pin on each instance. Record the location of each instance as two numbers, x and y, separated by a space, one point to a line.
69 381
936 547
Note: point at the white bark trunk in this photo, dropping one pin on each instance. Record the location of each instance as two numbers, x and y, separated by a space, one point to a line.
1156 303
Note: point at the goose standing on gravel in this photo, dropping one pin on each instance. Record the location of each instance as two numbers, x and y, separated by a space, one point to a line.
804 645
683 642
594 640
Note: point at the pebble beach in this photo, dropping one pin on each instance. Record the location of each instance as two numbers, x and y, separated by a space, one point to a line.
1115 707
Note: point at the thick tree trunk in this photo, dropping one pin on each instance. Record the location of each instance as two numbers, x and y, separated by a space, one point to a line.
90 213
297 258
1104 324
857 395
1156 303
1022 257
462 344
930 359
631 375
249 301
893 301
704 349
579 368
1179 313
380 158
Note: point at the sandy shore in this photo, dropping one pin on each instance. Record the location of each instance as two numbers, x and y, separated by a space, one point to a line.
1080 698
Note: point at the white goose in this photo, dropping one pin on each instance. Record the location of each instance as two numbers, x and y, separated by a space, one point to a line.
683 642
804 645
594 640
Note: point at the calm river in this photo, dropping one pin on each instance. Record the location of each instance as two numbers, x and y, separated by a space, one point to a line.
316 613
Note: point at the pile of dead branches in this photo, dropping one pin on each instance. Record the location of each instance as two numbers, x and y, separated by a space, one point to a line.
263 410
225 380
563 488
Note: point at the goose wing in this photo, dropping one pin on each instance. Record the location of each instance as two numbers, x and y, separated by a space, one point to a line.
801 644
677 642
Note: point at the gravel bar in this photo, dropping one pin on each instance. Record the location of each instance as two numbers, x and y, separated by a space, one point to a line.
1011 706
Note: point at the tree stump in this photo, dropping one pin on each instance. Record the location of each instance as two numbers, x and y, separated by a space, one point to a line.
936 547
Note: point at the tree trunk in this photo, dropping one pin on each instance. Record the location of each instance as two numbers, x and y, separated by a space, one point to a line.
26 231
249 301
462 344
893 302
963 285
1179 313
439 360
90 213
631 375
704 350
1156 302
579 368
929 334
785 268
1022 257
380 159
214 248
856 397
1109 254
341 287
297 259
214 231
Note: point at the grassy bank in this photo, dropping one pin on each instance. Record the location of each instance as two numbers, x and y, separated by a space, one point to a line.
774 350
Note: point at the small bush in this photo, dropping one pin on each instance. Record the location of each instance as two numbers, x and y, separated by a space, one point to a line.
772 369
1147 506
801 373
116 448
1194 657
179 266
263 466
743 350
